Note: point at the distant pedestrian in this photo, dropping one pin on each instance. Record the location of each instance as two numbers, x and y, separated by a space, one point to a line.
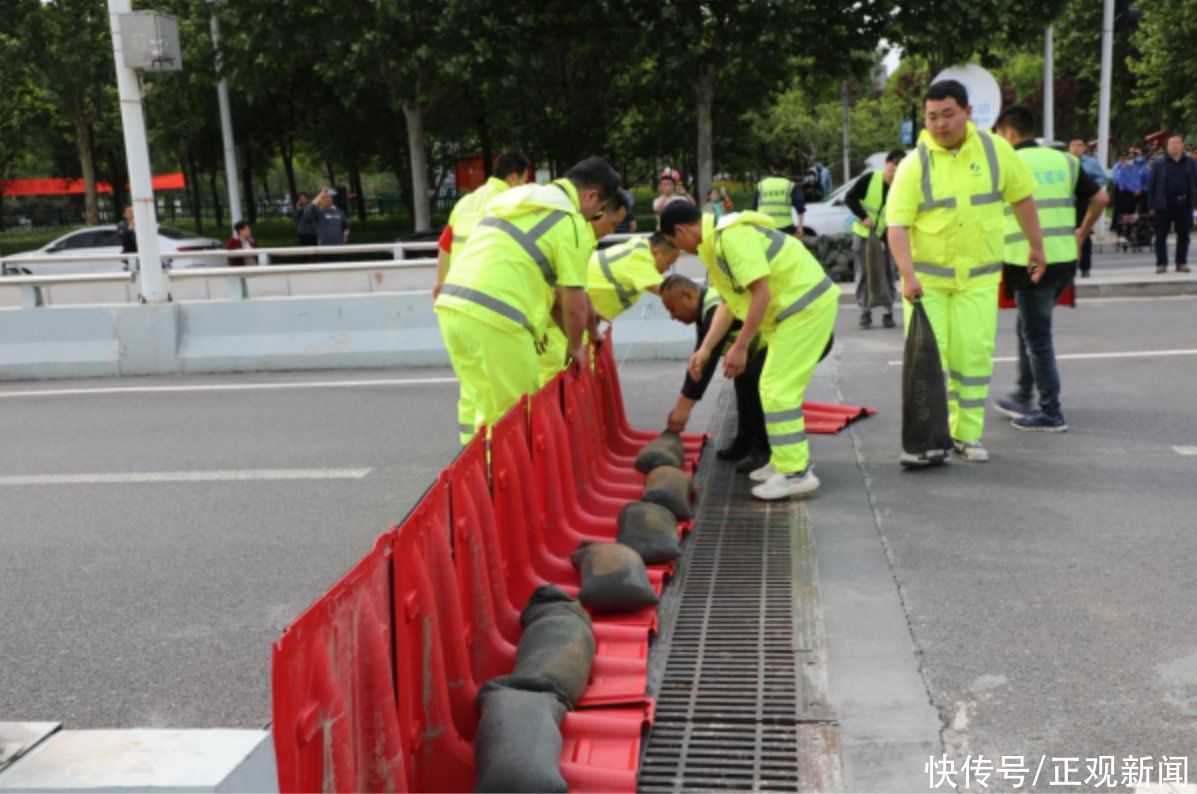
718 202
330 222
1172 195
243 238
780 199
1089 165
303 223
866 200
670 189
127 229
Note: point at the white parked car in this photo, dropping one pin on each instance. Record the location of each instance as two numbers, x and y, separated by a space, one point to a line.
831 216
105 240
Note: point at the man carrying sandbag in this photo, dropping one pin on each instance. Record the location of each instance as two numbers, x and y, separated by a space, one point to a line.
691 304
773 285
875 285
947 237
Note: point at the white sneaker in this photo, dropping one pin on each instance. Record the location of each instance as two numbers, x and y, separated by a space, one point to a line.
763 474
972 451
782 486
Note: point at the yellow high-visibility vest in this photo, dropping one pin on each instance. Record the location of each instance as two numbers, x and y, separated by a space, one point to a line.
1056 175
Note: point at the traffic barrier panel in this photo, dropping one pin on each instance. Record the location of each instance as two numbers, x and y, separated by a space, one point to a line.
592 471
626 438
332 688
831 418
437 689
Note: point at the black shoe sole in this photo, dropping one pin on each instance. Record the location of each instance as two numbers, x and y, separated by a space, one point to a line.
751 463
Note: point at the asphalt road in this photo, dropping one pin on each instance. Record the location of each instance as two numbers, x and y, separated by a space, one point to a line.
154 604
1049 593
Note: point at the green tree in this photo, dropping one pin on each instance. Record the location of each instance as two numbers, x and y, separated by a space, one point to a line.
1164 42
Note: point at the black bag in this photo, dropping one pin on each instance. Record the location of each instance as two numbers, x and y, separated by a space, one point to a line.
670 488
924 394
614 578
664 450
651 530
557 644
518 744
878 291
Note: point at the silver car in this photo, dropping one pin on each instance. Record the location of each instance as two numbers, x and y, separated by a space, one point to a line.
105 240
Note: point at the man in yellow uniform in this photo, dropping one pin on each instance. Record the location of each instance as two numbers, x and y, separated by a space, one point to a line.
511 170
494 307
780 199
619 275
947 235
772 284
1062 186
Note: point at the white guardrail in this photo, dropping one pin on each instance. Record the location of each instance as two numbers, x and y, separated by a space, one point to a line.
31 285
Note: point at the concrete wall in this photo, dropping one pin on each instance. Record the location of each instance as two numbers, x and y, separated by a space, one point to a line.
329 332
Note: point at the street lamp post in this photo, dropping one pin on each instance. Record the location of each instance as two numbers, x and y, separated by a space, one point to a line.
226 123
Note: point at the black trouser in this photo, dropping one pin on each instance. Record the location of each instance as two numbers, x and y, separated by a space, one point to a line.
1176 216
750 416
1086 252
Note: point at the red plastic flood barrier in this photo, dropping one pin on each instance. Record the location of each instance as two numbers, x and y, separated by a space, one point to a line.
333 691
437 689
831 418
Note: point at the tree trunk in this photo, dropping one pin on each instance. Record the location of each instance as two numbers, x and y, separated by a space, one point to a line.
706 157
330 174
413 112
247 179
217 210
87 162
288 156
355 184
194 197
847 137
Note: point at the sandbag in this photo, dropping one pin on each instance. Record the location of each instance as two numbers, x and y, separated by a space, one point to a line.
651 530
664 450
878 292
614 578
557 643
924 395
671 489
518 744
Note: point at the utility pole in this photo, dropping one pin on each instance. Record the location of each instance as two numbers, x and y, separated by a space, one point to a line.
226 123
847 137
1049 87
151 282
1107 69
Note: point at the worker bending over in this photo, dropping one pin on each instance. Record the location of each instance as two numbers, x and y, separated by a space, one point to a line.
526 255
692 304
773 285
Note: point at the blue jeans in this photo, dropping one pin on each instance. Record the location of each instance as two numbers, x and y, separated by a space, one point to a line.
1036 353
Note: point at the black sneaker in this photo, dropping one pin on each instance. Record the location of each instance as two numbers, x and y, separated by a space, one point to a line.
753 461
1014 406
866 319
736 450
887 321
1041 422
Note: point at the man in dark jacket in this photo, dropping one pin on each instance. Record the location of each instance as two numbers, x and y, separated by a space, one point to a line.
689 303
1172 195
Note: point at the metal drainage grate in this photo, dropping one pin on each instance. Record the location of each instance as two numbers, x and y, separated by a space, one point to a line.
730 703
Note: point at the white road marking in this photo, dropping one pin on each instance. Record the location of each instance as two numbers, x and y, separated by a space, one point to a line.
1185 450
217 387
1095 356
217 475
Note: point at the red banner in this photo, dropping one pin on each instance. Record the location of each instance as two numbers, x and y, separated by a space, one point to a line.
68 187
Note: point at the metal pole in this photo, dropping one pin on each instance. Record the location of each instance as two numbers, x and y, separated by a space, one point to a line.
847 141
1049 87
151 281
226 124
1107 68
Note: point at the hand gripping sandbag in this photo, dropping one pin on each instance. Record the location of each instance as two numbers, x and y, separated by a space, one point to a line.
924 395
670 488
518 744
877 284
664 450
651 530
614 578
557 643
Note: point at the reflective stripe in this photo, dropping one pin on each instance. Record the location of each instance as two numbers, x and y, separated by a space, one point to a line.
625 296
995 174
1073 164
969 380
928 269
985 270
459 239
489 302
784 416
1048 204
810 297
527 240
726 268
777 241
985 198
785 439
929 202
1051 231
464 428
979 403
